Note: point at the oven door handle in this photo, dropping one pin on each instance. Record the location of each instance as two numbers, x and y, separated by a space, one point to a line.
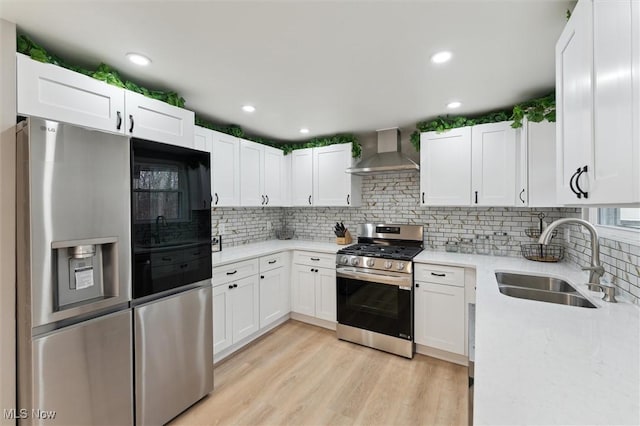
376 278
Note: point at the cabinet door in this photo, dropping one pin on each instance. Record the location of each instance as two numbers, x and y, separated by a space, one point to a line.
302 177
225 170
272 293
273 177
439 316
611 178
326 294
202 139
574 101
56 93
251 172
541 164
445 168
222 318
158 121
493 153
287 180
246 309
303 291
331 184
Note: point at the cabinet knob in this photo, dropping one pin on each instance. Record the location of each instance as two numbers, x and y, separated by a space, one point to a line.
262 277
230 285
235 286
417 285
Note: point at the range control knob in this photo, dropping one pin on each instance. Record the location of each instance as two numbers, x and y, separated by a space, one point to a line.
400 266
355 261
388 264
371 262
344 260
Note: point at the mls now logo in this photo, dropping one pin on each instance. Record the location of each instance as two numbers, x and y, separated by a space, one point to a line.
23 413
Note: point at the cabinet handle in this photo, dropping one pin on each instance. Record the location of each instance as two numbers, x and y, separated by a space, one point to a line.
438 275
521 199
311 269
230 285
476 197
271 262
119 120
132 123
231 273
423 198
348 199
571 184
216 194
309 199
262 199
315 259
583 170
267 197
235 286
262 277
417 285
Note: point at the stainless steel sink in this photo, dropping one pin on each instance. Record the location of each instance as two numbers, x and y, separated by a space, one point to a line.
542 289
534 282
547 296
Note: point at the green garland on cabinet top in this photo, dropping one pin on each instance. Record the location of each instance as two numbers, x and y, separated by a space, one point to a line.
535 110
111 76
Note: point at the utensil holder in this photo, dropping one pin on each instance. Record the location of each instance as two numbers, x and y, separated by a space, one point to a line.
344 240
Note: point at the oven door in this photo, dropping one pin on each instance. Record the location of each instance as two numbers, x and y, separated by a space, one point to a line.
379 302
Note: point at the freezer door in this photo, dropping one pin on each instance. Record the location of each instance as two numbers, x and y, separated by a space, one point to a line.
173 355
82 375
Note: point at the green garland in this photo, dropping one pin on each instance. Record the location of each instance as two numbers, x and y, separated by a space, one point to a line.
104 72
536 110
234 130
109 75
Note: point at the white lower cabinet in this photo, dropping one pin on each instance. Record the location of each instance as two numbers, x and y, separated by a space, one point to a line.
439 314
313 288
274 288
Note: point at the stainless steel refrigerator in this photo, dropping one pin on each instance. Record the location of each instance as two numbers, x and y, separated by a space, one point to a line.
74 276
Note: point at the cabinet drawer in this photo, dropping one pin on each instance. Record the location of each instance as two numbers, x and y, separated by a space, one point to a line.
273 261
440 274
234 271
322 260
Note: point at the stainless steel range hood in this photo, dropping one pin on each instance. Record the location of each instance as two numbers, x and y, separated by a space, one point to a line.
389 159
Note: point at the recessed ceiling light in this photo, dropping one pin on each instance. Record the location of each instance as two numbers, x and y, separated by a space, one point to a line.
304 130
138 59
441 57
248 108
454 105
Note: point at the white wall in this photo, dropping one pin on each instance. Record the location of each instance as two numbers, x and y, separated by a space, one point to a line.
7 217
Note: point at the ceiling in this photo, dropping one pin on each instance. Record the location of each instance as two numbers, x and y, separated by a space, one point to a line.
330 66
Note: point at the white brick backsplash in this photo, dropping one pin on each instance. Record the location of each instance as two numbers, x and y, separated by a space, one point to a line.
393 198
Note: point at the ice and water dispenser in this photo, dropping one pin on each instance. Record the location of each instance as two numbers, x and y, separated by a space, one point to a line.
86 271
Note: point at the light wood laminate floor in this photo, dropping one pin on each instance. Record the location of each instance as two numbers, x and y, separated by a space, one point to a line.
300 374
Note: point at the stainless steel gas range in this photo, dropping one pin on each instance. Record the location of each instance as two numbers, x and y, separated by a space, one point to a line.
375 287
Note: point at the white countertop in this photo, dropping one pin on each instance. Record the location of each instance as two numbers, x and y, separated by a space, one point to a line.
536 363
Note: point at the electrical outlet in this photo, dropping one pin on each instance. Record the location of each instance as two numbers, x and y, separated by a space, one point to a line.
221 229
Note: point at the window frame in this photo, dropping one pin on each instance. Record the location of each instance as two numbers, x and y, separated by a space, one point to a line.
617 233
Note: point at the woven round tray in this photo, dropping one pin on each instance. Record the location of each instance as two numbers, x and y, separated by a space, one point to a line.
542 252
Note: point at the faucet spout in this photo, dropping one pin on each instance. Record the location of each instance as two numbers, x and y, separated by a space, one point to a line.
596 269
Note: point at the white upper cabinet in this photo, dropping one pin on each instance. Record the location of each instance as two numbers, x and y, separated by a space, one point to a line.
493 154
225 170
158 121
302 177
262 173
539 165
597 91
445 168
470 166
332 186
56 93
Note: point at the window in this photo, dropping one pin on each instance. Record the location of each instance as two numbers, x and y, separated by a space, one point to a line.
158 191
622 224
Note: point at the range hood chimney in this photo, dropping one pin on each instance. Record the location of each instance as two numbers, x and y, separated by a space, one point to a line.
389 159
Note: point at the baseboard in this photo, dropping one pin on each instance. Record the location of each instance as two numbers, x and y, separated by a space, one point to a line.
443 355
313 321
